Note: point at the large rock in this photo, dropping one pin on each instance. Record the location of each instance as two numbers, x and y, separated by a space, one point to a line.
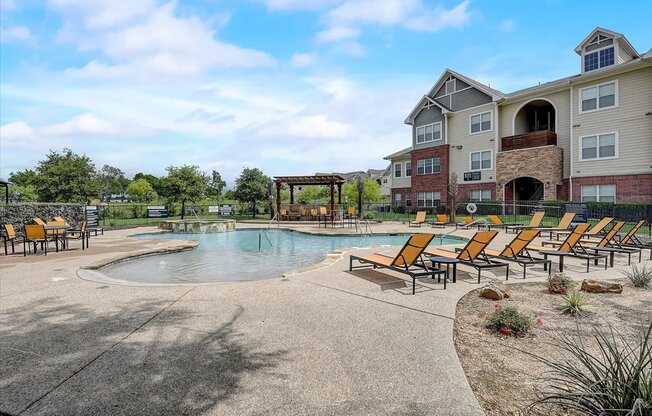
597 286
494 292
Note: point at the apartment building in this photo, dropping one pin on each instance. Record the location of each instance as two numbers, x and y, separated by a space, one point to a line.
586 137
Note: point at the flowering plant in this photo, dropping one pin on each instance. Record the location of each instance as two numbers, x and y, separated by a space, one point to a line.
559 283
509 321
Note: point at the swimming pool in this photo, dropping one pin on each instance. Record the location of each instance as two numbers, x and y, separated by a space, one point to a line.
228 257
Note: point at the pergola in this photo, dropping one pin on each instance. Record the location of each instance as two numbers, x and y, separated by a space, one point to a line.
5 184
292 181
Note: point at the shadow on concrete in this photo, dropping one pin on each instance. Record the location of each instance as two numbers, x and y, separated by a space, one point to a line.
70 359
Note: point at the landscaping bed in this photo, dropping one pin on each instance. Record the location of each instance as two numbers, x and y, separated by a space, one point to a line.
505 380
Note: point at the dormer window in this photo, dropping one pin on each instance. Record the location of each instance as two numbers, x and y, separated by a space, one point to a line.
599 53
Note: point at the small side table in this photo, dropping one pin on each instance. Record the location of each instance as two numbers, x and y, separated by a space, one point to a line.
439 260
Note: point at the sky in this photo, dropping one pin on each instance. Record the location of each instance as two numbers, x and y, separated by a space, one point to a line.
291 87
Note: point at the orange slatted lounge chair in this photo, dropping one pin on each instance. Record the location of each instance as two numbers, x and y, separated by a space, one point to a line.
441 221
517 251
595 231
466 222
418 220
572 247
496 222
564 224
535 222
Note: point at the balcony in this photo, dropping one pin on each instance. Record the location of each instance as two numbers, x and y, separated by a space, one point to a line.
529 140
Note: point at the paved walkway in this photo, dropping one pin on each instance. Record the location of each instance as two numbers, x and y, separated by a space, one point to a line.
321 342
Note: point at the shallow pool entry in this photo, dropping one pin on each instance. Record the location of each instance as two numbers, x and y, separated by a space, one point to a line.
236 256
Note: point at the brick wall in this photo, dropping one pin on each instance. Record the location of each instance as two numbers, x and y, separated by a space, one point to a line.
401 191
437 182
629 188
466 188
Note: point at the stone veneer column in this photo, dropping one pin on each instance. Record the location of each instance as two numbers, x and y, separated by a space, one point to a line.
543 163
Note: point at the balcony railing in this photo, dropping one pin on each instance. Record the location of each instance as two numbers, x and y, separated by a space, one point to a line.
525 141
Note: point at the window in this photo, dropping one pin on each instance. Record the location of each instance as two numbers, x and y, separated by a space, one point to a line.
428 166
599 193
384 180
408 200
429 133
480 195
598 97
601 146
408 169
397 199
481 122
481 160
397 170
599 59
427 199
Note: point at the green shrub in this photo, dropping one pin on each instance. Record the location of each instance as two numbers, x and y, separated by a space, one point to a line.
640 277
617 380
509 321
575 303
559 283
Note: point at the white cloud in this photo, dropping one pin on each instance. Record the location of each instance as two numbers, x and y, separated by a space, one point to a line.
302 59
85 124
16 33
335 34
507 26
102 14
7 5
313 127
299 4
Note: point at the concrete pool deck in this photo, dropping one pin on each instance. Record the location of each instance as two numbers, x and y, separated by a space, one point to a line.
321 342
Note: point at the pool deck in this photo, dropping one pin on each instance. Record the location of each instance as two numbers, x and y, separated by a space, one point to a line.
324 342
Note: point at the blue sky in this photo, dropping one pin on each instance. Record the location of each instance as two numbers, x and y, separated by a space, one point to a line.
289 86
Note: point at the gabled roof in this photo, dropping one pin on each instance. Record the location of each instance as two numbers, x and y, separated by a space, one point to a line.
425 100
618 37
403 152
494 94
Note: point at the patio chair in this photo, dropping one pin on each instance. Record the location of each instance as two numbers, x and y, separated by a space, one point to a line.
313 214
473 253
535 222
572 247
466 222
34 234
441 221
56 235
517 251
79 234
611 246
496 222
60 219
564 224
595 231
303 214
418 220
38 221
406 261
630 239
10 237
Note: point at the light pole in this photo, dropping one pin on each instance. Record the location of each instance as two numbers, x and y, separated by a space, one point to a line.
360 190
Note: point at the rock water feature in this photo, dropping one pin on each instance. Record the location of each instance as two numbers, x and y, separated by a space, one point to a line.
198 226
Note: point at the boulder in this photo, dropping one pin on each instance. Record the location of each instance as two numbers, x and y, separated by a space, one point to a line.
597 286
494 292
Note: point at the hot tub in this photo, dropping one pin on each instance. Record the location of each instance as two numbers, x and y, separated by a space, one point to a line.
198 226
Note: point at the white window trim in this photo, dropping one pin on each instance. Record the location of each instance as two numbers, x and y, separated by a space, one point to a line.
598 158
481 199
597 191
441 133
481 151
597 86
584 53
433 166
491 119
394 170
405 175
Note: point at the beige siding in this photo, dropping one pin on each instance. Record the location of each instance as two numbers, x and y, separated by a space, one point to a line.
459 135
629 119
623 56
401 182
509 124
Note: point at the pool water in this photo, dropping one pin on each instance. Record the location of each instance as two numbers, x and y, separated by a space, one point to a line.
234 256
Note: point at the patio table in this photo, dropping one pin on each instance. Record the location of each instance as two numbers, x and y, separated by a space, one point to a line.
56 235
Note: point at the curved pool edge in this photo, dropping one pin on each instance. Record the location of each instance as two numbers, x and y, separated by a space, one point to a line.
176 247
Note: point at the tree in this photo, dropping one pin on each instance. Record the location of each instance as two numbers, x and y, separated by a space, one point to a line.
370 194
159 184
26 177
111 180
251 186
216 185
141 190
453 190
311 193
186 183
25 193
66 177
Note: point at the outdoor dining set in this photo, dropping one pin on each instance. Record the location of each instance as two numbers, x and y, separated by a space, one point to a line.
41 233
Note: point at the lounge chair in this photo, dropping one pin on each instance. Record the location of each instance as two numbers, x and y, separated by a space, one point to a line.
517 251
496 222
418 220
611 246
572 247
441 221
10 237
34 234
611 234
406 261
535 222
564 224
473 253
466 222
595 231
630 240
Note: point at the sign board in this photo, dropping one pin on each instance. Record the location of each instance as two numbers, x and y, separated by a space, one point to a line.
213 209
472 176
157 211
226 210
192 209
581 211
92 216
